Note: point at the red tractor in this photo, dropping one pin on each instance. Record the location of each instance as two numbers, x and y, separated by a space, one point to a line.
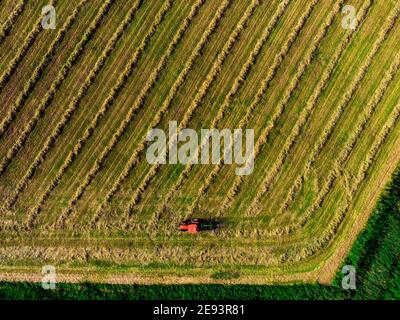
196 225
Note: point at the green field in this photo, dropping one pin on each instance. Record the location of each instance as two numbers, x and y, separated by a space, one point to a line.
77 103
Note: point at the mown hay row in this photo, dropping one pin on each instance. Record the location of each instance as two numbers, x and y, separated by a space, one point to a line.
228 99
311 104
90 130
74 103
179 82
48 98
293 191
232 92
302 253
376 147
277 166
36 73
157 119
28 42
210 179
345 153
244 72
6 27
198 99
202 92
260 94
109 100
265 84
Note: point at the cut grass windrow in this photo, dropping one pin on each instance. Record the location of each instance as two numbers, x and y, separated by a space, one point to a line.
255 207
265 85
238 82
287 95
198 99
212 75
60 223
260 94
375 149
74 103
48 98
157 119
6 27
338 112
345 153
189 64
29 40
328 234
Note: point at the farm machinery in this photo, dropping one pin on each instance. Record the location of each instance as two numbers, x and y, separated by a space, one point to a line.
194 226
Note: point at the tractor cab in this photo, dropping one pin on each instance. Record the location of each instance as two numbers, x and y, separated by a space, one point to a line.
194 226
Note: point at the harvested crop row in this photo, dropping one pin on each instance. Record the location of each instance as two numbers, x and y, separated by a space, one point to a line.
265 84
376 147
287 95
157 119
333 227
53 89
29 40
199 97
6 27
89 131
261 92
339 111
228 99
74 103
185 71
250 61
235 88
304 116
109 100
271 175
354 137
347 149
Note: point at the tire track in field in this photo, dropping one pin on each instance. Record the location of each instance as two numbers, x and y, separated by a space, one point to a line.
53 89
74 105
